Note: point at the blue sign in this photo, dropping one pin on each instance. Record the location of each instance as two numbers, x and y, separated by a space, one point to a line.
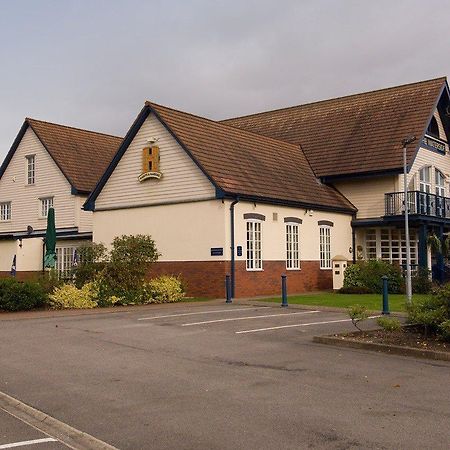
216 251
239 250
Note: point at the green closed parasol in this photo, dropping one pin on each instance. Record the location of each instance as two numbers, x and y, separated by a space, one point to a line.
50 241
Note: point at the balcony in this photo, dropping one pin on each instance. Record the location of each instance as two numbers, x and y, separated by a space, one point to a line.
419 203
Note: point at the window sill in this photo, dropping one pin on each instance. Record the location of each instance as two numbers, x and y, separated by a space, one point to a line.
294 270
326 268
255 270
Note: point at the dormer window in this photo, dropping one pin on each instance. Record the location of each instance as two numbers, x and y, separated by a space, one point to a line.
433 128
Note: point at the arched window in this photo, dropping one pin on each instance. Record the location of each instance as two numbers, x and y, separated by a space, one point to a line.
439 181
433 129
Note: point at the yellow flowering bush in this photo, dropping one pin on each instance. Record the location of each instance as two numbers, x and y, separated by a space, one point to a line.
164 289
69 296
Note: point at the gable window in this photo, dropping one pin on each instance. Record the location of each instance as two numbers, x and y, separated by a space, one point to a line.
433 128
31 169
254 245
5 211
292 246
45 204
325 246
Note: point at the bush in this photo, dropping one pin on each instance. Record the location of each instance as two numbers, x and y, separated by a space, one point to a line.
49 281
433 312
444 330
421 283
357 313
389 324
164 289
368 274
69 296
92 259
354 290
21 296
352 276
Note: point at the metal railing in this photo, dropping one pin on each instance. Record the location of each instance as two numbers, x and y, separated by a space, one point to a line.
422 203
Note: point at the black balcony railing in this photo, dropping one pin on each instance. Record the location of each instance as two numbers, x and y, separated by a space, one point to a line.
422 203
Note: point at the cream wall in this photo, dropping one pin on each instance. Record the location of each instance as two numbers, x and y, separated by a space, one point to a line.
182 232
83 219
25 198
29 257
367 194
274 231
7 252
181 181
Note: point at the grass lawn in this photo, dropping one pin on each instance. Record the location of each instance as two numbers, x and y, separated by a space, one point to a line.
370 301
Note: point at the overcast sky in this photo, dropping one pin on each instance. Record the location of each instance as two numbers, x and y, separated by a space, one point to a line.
92 64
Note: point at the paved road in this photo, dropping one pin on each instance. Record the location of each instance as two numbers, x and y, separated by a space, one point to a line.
222 377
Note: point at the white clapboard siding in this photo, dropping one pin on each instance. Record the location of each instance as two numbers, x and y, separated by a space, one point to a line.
181 181
50 182
83 218
367 194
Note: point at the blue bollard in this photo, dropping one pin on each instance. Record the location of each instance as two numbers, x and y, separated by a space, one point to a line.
284 300
228 288
385 296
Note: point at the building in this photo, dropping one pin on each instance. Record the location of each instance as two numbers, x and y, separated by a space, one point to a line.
48 165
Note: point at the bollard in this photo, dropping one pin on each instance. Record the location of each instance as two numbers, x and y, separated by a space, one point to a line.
228 288
385 296
284 300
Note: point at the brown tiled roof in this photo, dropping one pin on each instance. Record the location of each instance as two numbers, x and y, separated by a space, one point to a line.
354 134
81 155
247 164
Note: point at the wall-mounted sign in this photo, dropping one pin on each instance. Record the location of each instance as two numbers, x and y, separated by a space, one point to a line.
239 250
216 251
434 143
150 162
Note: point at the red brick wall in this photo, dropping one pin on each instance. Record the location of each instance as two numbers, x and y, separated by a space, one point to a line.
29 275
207 278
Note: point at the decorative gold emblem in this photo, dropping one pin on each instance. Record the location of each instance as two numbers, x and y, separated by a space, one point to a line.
150 161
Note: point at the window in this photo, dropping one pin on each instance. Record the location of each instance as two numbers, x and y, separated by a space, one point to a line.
31 169
371 243
325 247
5 211
425 179
433 128
439 182
46 204
254 245
64 261
292 247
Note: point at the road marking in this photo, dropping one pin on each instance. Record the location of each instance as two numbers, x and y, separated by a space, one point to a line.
202 312
297 325
246 318
23 443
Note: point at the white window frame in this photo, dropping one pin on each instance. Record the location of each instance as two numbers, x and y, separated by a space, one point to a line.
30 170
325 247
292 246
5 212
425 182
44 207
254 255
439 187
64 261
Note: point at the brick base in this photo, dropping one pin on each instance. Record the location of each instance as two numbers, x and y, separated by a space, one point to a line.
207 278
22 276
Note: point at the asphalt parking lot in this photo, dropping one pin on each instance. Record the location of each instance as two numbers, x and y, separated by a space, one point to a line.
216 376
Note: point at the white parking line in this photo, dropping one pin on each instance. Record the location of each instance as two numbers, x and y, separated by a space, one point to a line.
203 312
246 318
297 325
23 443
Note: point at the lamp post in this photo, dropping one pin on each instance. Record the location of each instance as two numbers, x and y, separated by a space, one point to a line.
405 142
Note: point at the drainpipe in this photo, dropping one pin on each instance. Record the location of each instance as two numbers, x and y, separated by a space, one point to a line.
354 244
233 263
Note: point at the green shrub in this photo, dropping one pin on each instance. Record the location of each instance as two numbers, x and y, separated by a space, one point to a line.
444 330
49 281
389 324
92 259
68 296
421 282
367 274
21 296
357 313
354 290
432 312
164 289
352 276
